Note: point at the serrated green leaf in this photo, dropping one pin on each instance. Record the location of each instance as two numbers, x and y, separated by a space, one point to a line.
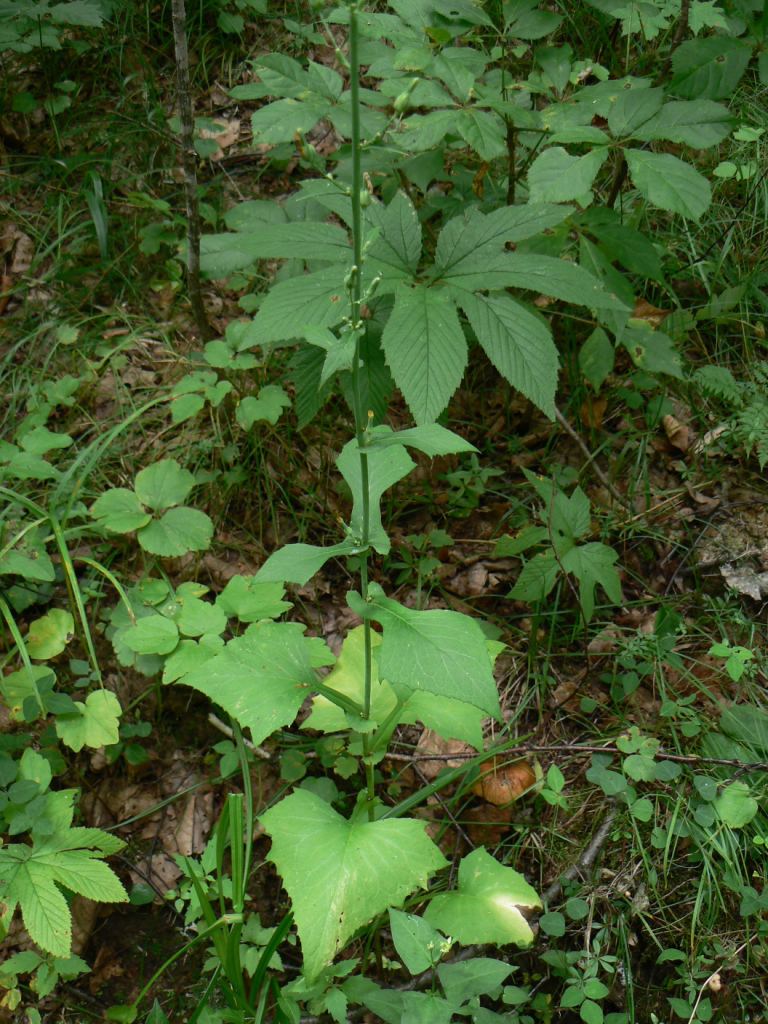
341 874
395 252
260 678
282 120
669 183
467 243
163 485
196 617
425 349
632 110
696 123
556 176
189 655
177 532
709 68
222 254
386 466
96 723
119 511
50 634
310 300
536 578
443 652
518 344
431 439
486 908
483 131
544 275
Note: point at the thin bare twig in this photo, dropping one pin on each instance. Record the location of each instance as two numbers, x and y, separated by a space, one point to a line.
189 167
615 494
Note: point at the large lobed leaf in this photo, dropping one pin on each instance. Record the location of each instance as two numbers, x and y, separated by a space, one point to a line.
340 874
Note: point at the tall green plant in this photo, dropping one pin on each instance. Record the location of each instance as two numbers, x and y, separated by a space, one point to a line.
434 666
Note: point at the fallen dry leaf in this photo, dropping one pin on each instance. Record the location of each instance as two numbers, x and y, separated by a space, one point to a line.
433 744
502 781
592 411
650 314
225 134
678 434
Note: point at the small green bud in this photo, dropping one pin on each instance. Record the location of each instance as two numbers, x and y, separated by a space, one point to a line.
365 197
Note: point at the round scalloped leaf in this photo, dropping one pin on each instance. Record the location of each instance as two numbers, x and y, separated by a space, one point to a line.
486 908
163 485
120 511
95 724
177 532
50 634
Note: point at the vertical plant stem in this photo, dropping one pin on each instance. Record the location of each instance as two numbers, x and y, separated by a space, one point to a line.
361 414
189 166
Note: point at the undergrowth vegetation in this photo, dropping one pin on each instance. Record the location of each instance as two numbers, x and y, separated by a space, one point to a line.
383 546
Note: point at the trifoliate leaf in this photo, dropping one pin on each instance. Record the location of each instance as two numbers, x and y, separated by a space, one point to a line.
96 723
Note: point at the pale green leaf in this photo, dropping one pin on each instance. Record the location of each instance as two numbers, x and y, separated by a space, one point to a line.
163 485
417 943
248 600
396 250
518 344
426 350
310 300
669 183
544 275
483 130
341 874
443 652
41 440
120 511
386 466
466 243
179 531
591 564
152 634
260 678
268 406
632 109
189 655
196 617
653 351
280 121
696 123
556 176
431 439
709 68
297 563
735 806
96 723
50 634
486 908
476 977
